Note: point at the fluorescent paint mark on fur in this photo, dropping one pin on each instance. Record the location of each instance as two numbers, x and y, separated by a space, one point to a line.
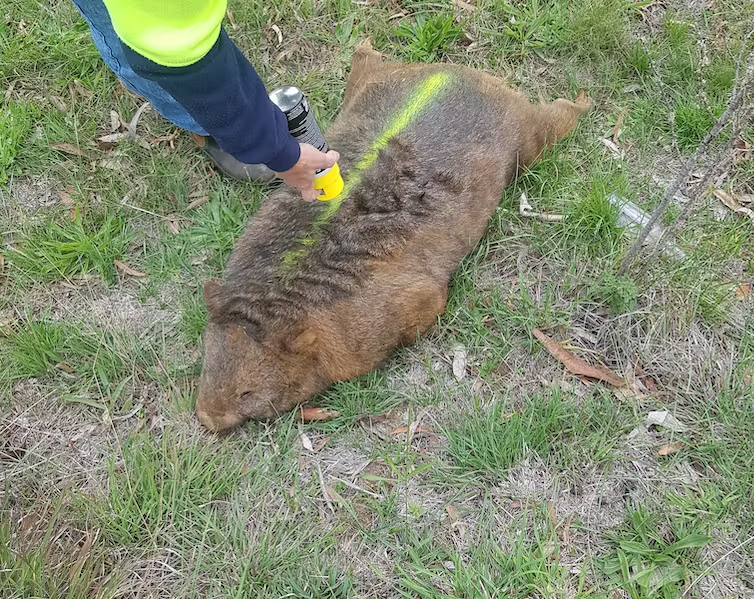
414 106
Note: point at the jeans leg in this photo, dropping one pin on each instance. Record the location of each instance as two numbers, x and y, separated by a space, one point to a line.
108 45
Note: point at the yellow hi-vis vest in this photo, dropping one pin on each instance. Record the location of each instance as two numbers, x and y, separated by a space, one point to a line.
172 33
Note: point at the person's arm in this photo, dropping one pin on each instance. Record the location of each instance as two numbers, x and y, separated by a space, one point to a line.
182 47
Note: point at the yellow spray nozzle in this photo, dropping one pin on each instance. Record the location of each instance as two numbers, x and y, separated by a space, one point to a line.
330 182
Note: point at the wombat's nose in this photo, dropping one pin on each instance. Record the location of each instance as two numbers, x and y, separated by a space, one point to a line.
217 422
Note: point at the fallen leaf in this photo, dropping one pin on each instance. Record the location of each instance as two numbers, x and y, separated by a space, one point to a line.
742 151
29 522
743 290
731 202
552 514
404 429
68 148
576 365
320 444
115 121
231 20
276 29
614 149
455 520
666 420
746 198
128 270
83 554
174 226
81 89
135 119
65 198
58 103
197 202
459 362
311 414
112 138
618 125
669 449
306 442
464 5
64 367
515 504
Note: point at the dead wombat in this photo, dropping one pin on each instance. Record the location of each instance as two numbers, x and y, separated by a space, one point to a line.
325 291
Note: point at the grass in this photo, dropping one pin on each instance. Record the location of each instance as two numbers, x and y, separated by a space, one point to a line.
521 479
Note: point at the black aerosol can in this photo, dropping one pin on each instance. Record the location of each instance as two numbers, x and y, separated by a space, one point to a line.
304 129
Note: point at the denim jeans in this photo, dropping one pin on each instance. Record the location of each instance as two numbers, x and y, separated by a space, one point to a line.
108 44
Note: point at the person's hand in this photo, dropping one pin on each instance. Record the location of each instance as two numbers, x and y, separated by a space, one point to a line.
301 176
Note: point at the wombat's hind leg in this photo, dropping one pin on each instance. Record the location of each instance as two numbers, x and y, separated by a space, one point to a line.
426 301
365 61
563 115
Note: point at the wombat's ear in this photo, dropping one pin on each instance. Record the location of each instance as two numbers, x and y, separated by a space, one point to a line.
214 295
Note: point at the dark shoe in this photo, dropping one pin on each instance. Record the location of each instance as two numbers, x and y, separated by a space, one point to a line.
256 173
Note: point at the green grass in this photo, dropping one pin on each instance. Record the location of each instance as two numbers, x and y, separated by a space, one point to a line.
428 38
83 245
494 439
161 487
98 431
649 562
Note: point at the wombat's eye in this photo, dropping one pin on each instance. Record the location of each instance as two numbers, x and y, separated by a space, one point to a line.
245 396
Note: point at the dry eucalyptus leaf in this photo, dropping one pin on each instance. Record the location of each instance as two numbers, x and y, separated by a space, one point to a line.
619 123
276 29
669 449
731 202
115 121
666 420
197 202
464 5
459 362
128 270
112 137
306 442
68 148
405 429
174 226
311 414
83 555
576 365
612 146
743 290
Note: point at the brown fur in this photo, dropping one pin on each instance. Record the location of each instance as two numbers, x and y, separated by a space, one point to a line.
379 273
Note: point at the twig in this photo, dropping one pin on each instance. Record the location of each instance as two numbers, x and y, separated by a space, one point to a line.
323 486
709 568
719 164
735 101
357 487
525 209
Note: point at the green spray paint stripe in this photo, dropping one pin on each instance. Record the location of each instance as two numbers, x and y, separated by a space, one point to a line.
413 107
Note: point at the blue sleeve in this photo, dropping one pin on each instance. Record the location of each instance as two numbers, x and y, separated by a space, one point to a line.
224 94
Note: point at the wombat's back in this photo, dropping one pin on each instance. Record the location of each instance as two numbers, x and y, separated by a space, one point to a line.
426 151
324 291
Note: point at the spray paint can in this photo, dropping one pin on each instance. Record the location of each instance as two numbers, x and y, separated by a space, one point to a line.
302 126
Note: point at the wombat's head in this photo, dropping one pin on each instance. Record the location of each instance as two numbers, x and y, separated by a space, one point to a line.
249 377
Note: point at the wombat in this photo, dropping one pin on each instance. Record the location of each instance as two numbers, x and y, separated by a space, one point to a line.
321 292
